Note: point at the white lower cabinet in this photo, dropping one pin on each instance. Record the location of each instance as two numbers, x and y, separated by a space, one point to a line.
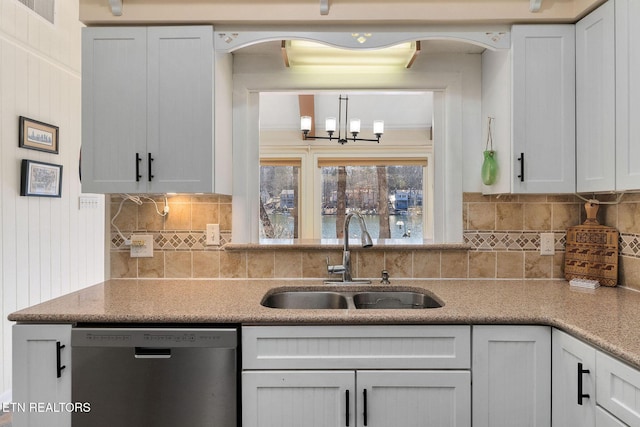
355 398
373 376
511 368
380 376
618 389
573 382
591 388
413 398
298 398
41 375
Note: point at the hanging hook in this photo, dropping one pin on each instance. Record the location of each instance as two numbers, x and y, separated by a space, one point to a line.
489 144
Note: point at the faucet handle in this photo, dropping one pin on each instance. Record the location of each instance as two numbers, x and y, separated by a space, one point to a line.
385 278
335 269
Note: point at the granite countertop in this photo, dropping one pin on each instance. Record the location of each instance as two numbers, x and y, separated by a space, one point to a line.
608 318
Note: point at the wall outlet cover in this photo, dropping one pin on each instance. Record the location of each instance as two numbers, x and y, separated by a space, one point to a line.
547 244
141 246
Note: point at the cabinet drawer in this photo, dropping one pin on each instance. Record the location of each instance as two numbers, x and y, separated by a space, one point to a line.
356 347
618 388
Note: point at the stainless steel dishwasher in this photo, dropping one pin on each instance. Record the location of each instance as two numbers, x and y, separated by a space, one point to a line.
157 377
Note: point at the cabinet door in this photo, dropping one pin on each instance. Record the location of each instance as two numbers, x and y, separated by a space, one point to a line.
41 374
298 398
180 109
618 388
596 101
543 122
414 398
627 94
567 383
511 376
114 109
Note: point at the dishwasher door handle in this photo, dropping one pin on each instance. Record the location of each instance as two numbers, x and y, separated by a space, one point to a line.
152 353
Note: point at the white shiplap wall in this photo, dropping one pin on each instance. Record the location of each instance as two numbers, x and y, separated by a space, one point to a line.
48 246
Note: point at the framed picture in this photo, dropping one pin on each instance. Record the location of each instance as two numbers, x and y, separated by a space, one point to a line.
37 135
40 179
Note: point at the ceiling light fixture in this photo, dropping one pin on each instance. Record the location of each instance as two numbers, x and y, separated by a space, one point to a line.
304 53
331 125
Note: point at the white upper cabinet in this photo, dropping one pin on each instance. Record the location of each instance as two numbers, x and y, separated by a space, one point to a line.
543 108
148 110
596 101
627 17
608 66
530 93
114 108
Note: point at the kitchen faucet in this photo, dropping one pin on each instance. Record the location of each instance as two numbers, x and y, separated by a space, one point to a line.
345 268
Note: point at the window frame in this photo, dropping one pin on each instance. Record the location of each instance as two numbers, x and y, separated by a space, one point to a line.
310 208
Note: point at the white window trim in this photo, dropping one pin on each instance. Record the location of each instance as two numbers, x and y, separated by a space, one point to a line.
260 74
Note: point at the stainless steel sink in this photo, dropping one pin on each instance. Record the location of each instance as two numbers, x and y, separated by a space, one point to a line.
394 300
305 300
338 299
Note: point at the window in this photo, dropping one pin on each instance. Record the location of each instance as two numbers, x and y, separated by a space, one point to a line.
390 197
389 191
308 185
279 189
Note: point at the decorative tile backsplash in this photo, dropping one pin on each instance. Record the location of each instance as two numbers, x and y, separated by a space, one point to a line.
172 240
503 233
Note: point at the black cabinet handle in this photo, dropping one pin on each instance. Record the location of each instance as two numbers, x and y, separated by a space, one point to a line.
347 411
59 367
150 174
521 160
138 160
581 395
364 415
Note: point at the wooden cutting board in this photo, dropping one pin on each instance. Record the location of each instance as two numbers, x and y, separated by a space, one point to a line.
591 252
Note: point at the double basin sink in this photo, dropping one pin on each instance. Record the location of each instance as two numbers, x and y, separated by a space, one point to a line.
339 299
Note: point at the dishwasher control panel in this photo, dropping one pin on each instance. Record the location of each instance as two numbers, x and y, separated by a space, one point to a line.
161 337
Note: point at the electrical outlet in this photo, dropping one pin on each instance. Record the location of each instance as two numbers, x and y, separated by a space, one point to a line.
141 246
213 235
547 244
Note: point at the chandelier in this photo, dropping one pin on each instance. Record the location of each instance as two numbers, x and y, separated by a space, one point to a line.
331 125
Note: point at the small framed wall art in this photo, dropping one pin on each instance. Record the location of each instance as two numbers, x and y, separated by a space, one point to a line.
40 179
37 135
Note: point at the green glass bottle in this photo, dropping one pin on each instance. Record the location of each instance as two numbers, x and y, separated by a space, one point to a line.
489 167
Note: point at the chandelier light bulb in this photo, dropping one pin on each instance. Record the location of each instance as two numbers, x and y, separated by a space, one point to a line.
354 126
330 124
305 123
378 127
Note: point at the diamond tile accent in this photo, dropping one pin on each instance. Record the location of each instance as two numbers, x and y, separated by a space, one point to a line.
630 245
511 240
116 241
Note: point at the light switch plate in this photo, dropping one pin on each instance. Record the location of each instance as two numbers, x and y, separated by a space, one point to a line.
141 246
88 202
547 244
213 235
